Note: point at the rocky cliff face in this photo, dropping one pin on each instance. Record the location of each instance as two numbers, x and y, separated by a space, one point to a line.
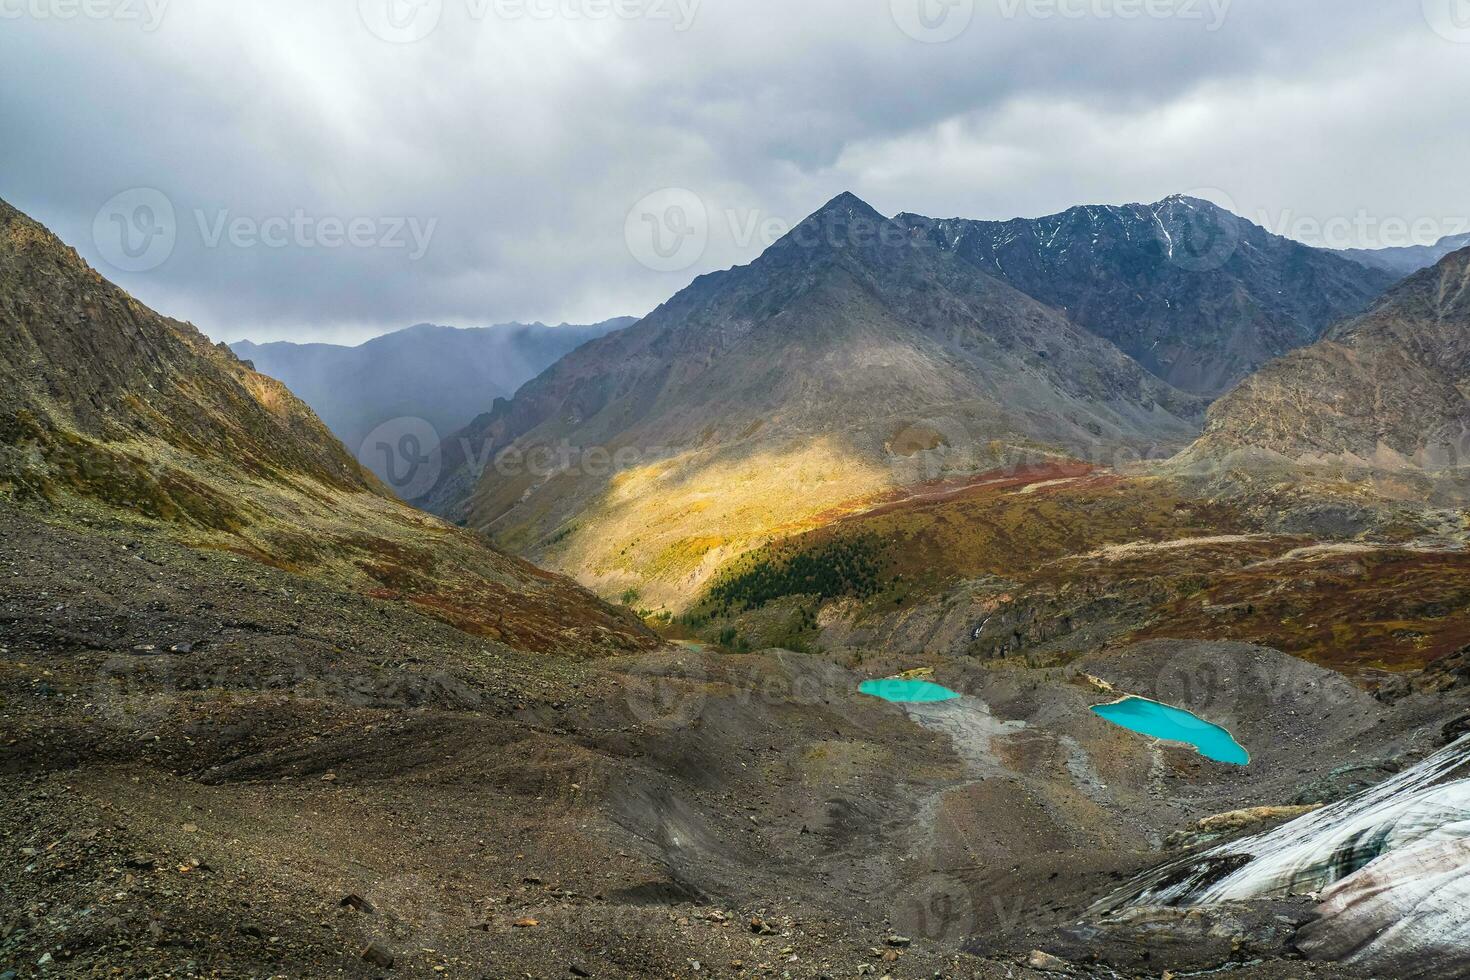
1389 389
1199 296
852 358
111 412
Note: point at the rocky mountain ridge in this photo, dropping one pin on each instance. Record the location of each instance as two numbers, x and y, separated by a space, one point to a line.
1389 389
1406 260
1198 295
853 356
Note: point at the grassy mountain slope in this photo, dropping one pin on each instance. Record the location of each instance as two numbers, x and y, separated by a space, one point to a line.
111 413
1040 565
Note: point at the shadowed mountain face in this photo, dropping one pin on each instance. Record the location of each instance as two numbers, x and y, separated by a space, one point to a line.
1409 259
852 358
443 375
110 411
1199 296
1390 388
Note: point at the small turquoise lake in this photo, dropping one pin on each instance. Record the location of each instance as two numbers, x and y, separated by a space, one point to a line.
1176 725
907 692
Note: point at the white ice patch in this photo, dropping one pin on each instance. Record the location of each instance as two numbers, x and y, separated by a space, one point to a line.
1391 864
1309 854
1406 915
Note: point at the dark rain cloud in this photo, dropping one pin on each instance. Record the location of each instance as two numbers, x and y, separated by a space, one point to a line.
307 160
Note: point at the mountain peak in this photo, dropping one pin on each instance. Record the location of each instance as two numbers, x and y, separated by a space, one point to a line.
1194 292
1190 203
844 209
844 220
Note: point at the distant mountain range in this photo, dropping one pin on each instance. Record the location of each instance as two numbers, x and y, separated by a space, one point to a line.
862 357
851 358
1197 295
1409 259
443 375
1390 388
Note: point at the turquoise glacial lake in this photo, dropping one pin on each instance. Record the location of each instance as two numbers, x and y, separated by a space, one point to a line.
1176 725
907 692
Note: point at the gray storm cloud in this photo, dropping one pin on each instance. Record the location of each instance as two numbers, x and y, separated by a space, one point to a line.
340 169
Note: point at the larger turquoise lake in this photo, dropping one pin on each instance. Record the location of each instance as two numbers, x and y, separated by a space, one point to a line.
907 692
1176 725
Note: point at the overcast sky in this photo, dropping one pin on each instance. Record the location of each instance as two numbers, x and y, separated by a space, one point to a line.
334 169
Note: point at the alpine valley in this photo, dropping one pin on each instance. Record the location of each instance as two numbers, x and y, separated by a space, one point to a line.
758 637
442 375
